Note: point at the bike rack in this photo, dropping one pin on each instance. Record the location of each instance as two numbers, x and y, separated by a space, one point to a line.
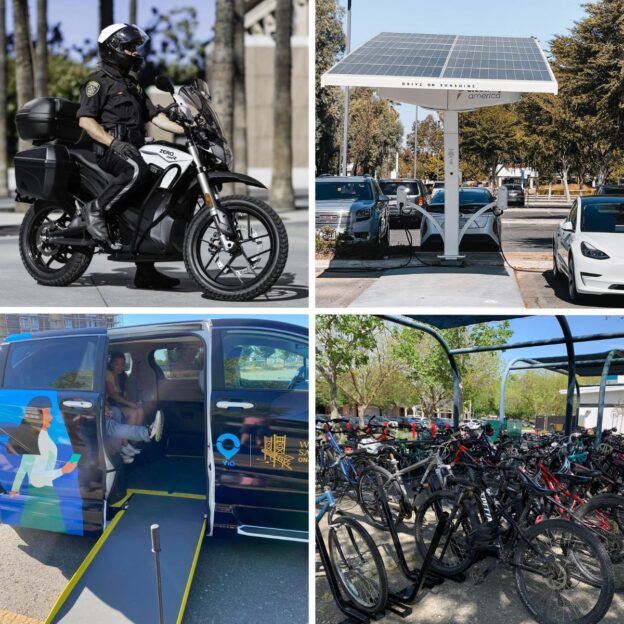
423 577
354 615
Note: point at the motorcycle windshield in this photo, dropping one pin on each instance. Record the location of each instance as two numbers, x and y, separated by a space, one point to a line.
198 97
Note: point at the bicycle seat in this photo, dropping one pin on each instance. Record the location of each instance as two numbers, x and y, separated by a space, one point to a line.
358 451
535 487
584 471
573 479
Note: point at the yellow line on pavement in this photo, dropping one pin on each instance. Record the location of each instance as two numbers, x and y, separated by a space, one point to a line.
8 617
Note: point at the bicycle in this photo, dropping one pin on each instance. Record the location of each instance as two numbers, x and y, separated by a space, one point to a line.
353 558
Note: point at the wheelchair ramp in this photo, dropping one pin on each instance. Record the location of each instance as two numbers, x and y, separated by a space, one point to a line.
116 584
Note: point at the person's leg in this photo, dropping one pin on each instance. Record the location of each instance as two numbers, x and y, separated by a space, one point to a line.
133 433
128 174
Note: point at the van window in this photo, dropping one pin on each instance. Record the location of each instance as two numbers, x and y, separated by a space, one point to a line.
257 360
184 361
52 363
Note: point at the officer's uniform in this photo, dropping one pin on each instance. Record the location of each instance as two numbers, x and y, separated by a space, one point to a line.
120 106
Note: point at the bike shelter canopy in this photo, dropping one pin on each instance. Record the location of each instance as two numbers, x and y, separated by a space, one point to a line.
588 365
448 73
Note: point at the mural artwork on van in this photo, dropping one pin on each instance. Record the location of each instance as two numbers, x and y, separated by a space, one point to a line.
39 485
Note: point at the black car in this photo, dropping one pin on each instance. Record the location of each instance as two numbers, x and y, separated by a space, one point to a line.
610 189
515 194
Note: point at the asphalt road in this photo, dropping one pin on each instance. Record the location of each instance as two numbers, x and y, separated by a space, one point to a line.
110 284
237 579
495 601
527 244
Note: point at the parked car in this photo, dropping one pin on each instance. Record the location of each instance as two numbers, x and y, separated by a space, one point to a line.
588 247
471 423
353 209
485 230
416 192
442 422
515 194
610 189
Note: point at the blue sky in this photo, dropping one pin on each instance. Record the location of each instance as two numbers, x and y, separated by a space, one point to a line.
80 19
538 18
537 327
143 319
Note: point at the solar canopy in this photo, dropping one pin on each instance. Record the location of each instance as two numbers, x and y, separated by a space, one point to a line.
457 62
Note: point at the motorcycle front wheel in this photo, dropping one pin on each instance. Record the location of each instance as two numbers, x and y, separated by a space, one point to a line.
254 263
49 264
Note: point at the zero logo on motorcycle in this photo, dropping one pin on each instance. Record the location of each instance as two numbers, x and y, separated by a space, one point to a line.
168 154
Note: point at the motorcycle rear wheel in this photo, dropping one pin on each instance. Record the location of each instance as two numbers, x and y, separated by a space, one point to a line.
50 265
245 273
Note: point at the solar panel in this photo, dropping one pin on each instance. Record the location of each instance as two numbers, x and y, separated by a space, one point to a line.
444 60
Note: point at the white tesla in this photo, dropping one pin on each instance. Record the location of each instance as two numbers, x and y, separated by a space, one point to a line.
588 247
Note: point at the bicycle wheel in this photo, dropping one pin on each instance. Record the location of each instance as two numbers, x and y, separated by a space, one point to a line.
604 515
563 573
358 564
369 486
454 553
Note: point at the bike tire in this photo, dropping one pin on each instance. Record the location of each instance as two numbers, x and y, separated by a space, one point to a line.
440 501
367 587
368 485
557 577
271 272
73 269
607 507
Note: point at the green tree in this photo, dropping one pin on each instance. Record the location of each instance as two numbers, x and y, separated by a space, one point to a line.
430 162
588 66
23 57
535 393
427 364
343 343
489 139
330 46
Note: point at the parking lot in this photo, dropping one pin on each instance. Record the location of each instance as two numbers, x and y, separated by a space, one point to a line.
495 601
527 247
236 577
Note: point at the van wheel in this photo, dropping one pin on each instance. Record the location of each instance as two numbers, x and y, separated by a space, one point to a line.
50 265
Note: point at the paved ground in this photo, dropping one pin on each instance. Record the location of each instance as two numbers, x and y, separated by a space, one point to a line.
237 578
524 279
493 602
109 284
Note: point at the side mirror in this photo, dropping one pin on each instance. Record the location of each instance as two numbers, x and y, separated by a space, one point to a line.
567 226
164 84
384 198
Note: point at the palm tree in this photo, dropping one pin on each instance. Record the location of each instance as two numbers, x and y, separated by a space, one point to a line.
41 51
106 13
4 191
239 134
23 58
282 194
133 11
223 65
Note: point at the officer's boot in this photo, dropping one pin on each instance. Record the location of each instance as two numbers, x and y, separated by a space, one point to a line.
96 226
147 276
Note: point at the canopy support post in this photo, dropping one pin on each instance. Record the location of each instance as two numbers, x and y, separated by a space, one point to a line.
451 189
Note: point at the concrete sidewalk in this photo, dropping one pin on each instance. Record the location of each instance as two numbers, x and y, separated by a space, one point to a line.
483 282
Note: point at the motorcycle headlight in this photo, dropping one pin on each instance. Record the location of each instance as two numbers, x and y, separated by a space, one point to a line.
592 252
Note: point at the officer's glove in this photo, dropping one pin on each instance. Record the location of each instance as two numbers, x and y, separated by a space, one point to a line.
124 149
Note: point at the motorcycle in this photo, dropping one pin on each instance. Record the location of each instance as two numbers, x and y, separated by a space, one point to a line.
234 247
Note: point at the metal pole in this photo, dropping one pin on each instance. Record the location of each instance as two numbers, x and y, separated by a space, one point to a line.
416 143
345 111
569 343
155 532
601 395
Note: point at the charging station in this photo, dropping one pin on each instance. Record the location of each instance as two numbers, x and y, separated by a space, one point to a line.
448 74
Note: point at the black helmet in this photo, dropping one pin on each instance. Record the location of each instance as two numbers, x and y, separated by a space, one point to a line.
113 42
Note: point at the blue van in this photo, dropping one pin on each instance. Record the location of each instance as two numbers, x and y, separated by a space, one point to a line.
233 454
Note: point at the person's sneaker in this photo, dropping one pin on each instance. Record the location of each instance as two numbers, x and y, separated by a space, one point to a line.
126 459
132 450
156 428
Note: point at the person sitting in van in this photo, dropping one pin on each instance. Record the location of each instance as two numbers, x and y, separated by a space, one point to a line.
116 377
125 434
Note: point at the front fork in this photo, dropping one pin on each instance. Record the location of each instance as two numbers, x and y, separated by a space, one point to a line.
222 221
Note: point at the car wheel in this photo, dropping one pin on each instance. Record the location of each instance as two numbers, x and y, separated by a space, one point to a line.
557 274
573 293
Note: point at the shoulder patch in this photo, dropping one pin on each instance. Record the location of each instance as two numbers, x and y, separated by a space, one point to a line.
92 88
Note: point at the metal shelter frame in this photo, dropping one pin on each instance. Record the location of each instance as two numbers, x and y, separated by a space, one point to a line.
567 365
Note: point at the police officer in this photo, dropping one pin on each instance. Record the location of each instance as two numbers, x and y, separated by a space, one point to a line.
113 111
